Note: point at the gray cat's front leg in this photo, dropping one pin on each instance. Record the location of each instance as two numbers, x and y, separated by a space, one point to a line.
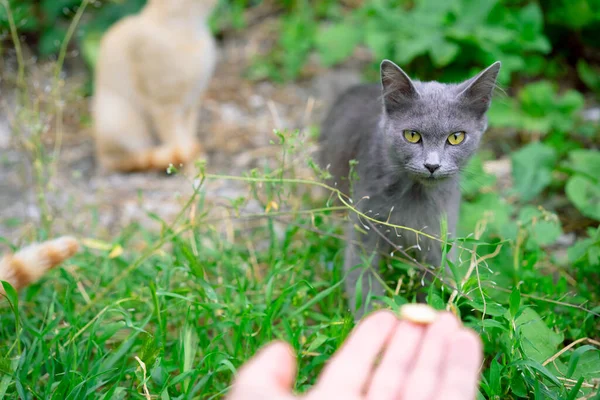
360 247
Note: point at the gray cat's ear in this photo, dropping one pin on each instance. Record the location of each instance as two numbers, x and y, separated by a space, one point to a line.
477 92
397 87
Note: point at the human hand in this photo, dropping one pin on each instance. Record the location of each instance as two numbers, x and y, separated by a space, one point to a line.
439 361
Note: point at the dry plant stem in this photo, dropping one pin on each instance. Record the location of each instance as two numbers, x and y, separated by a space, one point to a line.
35 148
573 382
474 267
57 84
341 196
565 349
588 397
408 257
19 51
537 298
145 388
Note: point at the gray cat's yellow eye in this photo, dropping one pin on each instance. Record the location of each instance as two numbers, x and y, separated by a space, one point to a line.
456 138
412 136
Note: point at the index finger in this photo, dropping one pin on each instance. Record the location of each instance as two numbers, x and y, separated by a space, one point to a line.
352 365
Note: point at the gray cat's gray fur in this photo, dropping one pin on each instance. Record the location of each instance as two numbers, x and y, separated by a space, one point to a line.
394 184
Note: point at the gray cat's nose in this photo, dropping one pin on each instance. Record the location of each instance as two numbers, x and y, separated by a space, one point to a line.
432 167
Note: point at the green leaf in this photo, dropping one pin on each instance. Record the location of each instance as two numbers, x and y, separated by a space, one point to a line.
588 364
543 227
537 340
377 40
90 47
586 162
575 356
408 49
518 386
537 366
492 323
495 208
13 298
54 9
585 250
532 169
318 297
443 52
589 75
337 42
317 342
474 178
435 301
51 40
585 194
11 294
575 391
495 378
515 302
530 24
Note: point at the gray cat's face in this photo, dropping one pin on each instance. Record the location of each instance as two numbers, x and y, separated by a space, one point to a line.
432 129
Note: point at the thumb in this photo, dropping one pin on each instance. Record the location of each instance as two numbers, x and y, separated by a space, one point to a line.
269 374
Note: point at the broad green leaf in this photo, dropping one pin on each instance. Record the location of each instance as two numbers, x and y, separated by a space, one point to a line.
570 102
544 228
517 386
492 323
546 233
586 250
490 206
409 48
530 25
495 378
491 308
474 178
589 75
538 341
443 52
538 367
503 113
576 356
585 194
532 169
51 40
377 40
574 14
337 42
586 162
473 14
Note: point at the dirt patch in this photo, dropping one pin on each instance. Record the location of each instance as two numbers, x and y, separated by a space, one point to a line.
237 121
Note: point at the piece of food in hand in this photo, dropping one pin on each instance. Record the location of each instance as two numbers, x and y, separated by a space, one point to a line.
418 313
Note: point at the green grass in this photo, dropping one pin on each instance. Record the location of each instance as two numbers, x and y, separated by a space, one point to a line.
192 305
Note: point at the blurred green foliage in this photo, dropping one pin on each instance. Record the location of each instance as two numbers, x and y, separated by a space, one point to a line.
45 22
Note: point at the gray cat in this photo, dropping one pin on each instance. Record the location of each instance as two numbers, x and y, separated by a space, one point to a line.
411 139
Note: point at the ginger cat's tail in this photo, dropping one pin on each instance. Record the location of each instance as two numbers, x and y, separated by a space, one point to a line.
30 263
155 158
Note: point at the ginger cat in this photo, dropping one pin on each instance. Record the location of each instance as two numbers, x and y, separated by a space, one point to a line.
152 70
30 263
